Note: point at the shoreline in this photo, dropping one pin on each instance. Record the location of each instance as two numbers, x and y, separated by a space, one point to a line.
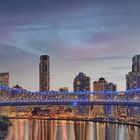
77 119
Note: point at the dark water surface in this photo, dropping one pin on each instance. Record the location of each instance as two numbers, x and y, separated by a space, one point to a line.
70 130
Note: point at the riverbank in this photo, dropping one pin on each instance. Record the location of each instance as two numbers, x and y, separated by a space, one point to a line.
79 119
4 126
4 121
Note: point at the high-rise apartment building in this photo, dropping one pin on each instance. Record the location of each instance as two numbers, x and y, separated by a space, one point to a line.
44 73
110 87
4 78
133 78
133 82
81 83
100 86
136 63
103 85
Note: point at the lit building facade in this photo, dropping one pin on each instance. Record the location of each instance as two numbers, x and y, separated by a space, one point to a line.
136 63
133 78
101 86
133 82
81 83
4 78
44 73
110 87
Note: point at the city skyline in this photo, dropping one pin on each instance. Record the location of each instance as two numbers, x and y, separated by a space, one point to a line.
97 38
81 80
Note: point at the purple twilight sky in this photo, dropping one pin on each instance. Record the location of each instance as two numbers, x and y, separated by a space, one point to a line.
97 37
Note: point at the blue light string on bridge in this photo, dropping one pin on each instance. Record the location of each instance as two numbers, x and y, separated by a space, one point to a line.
75 103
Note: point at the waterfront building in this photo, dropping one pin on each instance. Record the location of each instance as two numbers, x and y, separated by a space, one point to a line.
4 78
110 87
133 77
109 110
133 82
44 73
102 86
120 112
99 85
136 63
19 109
62 109
82 84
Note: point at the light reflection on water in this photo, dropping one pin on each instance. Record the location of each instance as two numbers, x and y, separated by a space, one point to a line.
70 130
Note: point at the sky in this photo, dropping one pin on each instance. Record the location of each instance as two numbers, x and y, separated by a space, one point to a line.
97 37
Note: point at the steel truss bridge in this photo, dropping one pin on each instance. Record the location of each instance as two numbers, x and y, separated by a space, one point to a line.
18 97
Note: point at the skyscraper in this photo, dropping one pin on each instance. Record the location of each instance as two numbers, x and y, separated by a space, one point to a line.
136 63
4 78
81 83
44 71
103 85
133 82
133 78
100 86
110 87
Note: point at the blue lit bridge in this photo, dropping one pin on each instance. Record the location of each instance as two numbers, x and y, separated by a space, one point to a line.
19 97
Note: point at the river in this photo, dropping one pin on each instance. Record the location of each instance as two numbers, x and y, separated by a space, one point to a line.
70 130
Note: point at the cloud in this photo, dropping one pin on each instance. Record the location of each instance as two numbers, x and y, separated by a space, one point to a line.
12 53
78 35
22 66
126 67
102 58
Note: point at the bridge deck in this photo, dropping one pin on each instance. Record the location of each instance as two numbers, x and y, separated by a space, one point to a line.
70 102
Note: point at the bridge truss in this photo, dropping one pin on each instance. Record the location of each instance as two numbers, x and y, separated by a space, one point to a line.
122 104
12 96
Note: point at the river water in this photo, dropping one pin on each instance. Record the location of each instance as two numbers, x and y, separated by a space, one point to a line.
70 130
